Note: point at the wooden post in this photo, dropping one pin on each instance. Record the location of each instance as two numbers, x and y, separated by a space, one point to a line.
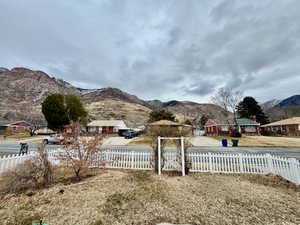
295 170
241 163
159 156
182 156
270 163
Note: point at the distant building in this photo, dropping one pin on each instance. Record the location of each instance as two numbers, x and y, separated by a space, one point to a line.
107 127
288 127
8 127
168 123
226 127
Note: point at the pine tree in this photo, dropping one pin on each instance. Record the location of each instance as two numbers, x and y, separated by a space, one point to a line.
249 107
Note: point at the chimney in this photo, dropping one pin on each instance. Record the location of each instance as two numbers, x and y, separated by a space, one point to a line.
253 118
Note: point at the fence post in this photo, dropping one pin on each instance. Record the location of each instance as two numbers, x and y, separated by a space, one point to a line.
270 163
210 162
241 163
132 160
159 155
182 156
295 170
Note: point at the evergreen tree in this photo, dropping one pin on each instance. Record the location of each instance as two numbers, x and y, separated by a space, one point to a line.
60 110
249 107
74 109
54 110
157 115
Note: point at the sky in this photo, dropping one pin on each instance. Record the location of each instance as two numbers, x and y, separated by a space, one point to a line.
170 49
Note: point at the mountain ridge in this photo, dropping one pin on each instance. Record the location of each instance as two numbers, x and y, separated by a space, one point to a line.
23 88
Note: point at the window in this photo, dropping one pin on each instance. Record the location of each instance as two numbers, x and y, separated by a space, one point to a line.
250 129
224 128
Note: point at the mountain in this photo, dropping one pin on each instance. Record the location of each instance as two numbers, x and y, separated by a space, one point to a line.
291 101
23 90
278 110
269 104
2 69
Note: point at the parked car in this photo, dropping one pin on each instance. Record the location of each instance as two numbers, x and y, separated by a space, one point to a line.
57 139
130 134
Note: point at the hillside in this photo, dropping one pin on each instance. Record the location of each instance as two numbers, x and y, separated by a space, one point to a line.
22 91
278 110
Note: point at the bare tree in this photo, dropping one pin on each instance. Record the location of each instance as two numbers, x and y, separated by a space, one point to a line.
80 154
228 100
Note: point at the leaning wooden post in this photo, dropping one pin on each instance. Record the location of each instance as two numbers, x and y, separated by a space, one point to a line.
182 156
159 155
270 163
295 170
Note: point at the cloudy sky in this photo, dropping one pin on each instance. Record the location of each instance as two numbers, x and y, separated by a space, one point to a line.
177 49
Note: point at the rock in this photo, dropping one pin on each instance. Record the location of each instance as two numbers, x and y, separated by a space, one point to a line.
29 193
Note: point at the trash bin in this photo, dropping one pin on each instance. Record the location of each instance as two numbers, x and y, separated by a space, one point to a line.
235 142
224 142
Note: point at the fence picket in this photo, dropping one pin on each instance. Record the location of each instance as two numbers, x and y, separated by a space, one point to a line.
126 158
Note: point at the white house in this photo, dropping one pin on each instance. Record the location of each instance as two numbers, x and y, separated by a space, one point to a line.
107 127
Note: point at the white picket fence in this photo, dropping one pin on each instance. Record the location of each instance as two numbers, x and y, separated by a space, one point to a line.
199 162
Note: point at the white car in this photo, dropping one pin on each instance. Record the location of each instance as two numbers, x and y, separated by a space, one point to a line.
54 139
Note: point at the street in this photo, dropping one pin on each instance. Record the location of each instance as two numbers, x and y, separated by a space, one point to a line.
14 147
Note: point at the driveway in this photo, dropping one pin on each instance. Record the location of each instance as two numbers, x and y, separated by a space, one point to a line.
202 141
116 141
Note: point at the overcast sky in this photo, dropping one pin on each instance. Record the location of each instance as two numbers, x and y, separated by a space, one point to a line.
179 49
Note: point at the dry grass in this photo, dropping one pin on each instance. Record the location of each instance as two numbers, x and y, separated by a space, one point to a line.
146 140
118 197
263 141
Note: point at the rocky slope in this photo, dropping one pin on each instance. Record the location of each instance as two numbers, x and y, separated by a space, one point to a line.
286 108
22 91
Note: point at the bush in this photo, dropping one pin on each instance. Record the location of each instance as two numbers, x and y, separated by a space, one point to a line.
236 134
34 173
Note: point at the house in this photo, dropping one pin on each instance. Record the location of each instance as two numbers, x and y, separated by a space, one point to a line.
168 123
107 127
288 127
8 127
226 127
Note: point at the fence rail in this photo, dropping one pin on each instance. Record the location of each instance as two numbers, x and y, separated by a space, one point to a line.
124 158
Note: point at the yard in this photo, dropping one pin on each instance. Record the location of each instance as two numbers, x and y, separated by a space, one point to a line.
264 141
121 197
146 140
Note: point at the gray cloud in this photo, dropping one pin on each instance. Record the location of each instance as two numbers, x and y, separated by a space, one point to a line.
158 49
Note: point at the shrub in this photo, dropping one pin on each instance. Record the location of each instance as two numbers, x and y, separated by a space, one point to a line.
236 134
31 174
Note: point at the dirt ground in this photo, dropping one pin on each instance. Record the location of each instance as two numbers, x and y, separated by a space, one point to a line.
116 197
263 141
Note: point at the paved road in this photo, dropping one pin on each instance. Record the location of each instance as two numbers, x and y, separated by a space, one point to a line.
204 141
116 141
14 147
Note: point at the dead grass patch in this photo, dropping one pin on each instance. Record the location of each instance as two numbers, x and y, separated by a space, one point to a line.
121 197
263 141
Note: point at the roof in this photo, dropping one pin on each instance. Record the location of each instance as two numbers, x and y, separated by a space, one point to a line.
241 122
9 123
245 121
290 121
108 123
164 123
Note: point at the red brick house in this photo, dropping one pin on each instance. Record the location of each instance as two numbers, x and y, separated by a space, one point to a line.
287 127
225 128
14 127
